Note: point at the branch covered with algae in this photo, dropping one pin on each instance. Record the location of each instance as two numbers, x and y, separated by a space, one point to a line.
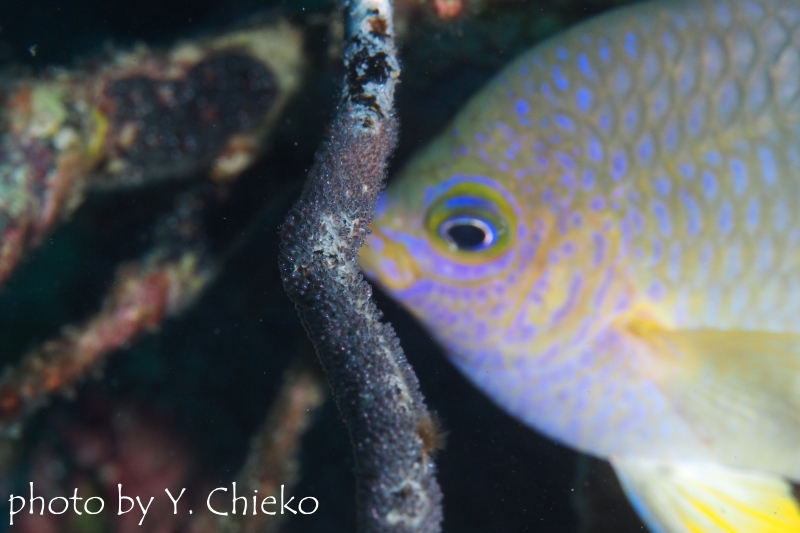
373 384
160 285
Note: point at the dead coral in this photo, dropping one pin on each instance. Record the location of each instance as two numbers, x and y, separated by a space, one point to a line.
201 106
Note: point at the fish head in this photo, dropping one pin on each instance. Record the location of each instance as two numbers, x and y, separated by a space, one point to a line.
451 244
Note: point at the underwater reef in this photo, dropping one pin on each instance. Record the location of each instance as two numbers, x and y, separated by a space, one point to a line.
149 154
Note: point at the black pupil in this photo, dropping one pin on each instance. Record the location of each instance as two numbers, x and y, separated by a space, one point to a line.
467 236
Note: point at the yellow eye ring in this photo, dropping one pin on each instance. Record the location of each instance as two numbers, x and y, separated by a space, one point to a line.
471 221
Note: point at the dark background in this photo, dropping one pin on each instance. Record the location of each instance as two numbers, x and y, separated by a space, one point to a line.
212 373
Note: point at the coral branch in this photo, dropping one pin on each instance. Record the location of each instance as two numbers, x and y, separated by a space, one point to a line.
273 458
373 384
161 285
201 106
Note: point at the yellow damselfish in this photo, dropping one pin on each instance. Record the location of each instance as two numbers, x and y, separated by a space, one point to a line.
607 242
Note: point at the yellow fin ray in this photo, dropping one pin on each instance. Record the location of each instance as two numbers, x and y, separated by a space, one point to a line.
707 498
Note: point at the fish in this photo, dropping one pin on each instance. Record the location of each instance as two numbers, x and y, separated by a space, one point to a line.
605 241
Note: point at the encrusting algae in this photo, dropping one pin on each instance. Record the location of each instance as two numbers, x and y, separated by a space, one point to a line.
204 105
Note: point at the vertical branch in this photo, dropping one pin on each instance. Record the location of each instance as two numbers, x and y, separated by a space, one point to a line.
273 459
373 384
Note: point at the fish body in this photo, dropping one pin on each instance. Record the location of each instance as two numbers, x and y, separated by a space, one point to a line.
604 242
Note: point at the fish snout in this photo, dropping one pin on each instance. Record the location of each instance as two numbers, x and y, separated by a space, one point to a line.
387 262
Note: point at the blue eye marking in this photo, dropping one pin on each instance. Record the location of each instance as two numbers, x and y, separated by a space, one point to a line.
467 202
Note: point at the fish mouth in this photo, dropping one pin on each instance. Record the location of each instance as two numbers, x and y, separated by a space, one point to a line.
387 262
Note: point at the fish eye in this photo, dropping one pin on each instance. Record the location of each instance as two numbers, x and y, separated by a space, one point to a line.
472 221
468 233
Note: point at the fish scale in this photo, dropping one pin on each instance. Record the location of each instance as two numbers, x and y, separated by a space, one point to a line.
624 135
624 272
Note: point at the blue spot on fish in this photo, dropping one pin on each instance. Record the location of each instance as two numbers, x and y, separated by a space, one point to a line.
619 165
753 10
713 157
671 135
565 160
381 206
636 219
588 179
585 66
605 53
670 44
559 79
709 182
658 251
686 170
565 122
657 291
660 102
662 217
687 76
723 14
606 120
622 81
662 186
697 117
522 107
694 223
739 172
631 119
598 203
729 100
768 165
583 99
547 92
652 67
595 150
630 45
646 150
714 58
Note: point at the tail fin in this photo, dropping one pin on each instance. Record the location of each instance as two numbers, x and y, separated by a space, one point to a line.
707 498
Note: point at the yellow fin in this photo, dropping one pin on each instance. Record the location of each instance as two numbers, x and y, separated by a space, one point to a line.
757 355
707 498
739 391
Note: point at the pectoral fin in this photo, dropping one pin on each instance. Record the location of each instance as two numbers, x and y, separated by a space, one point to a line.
739 391
702 498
